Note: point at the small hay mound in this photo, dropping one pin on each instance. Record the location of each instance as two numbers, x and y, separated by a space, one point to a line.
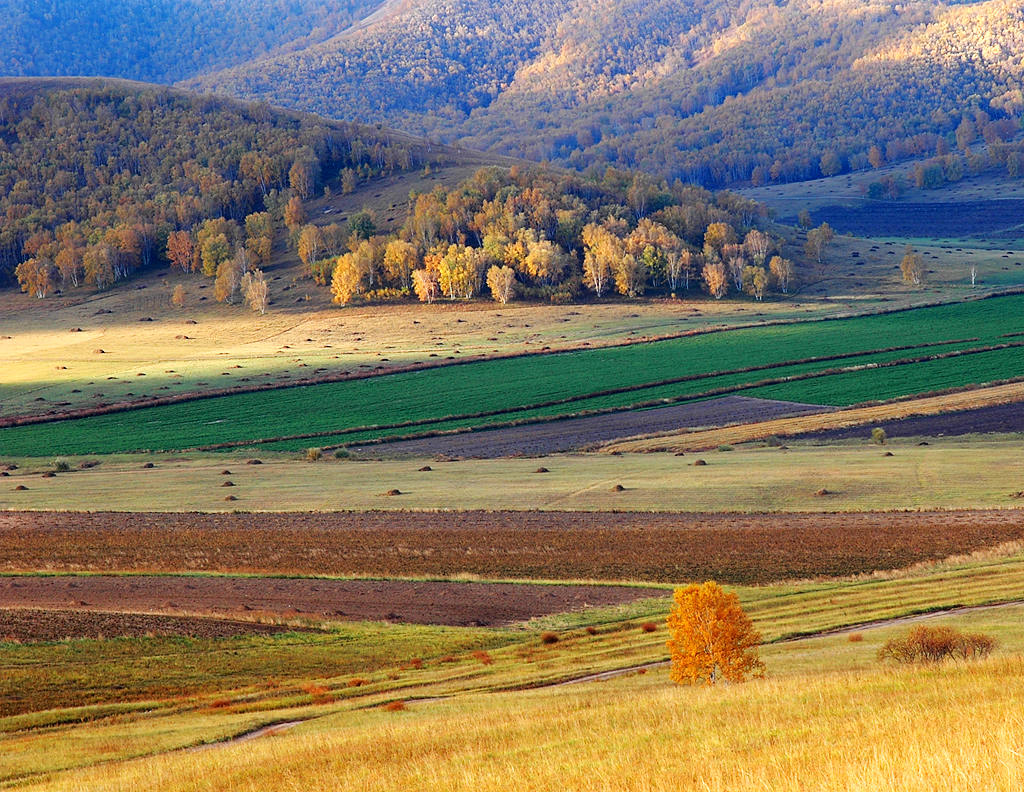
425 469
49 474
888 453
254 462
822 492
225 472
230 498
542 470
228 484
549 638
699 463
392 492
20 488
618 488
148 466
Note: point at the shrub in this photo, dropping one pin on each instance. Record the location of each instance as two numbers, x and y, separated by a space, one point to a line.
61 465
341 453
591 630
317 693
549 637
314 454
934 644
395 706
484 657
878 436
648 627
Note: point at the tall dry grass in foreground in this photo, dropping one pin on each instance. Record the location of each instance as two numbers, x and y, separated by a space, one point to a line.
950 727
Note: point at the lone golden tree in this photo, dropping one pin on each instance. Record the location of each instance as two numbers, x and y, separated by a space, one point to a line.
711 637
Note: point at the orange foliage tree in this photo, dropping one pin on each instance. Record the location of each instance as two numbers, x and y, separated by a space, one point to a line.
711 637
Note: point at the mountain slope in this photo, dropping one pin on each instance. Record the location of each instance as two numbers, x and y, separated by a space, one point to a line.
160 40
706 91
104 166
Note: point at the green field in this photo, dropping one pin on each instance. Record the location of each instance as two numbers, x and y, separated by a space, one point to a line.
516 388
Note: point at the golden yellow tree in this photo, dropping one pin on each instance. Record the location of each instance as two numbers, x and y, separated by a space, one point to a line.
712 637
348 279
716 279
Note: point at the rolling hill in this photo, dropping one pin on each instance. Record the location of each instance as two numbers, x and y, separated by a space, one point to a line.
716 92
160 41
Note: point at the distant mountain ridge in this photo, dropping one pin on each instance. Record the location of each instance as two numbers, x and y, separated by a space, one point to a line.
706 91
711 91
160 41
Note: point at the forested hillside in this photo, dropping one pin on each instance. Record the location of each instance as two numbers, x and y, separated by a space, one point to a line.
160 40
715 91
95 175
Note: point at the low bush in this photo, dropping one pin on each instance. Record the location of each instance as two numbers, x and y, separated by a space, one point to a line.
314 454
549 638
934 644
61 465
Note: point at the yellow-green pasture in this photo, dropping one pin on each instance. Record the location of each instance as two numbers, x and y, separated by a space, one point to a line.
951 473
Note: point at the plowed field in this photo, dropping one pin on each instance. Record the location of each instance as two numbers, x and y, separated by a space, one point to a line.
427 602
998 418
40 624
668 547
574 433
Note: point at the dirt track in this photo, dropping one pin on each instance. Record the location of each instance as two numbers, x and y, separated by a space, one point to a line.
458 604
732 548
574 433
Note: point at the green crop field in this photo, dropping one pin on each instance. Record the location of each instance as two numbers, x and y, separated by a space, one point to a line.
517 387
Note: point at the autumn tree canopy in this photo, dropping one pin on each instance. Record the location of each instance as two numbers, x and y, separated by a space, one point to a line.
712 637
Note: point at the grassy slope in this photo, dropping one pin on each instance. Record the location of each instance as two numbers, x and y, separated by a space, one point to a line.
952 473
827 679
516 383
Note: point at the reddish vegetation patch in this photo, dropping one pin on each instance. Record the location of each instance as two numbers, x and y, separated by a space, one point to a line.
561 545
33 624
573 433
463 604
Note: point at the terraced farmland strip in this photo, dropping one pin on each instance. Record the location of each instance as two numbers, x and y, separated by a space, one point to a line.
824 421
493 387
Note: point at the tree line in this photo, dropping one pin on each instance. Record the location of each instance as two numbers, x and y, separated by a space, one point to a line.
534 234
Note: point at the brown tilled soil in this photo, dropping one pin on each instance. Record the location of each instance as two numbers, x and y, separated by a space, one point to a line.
41 624
460 604
574 433
998 418
735 548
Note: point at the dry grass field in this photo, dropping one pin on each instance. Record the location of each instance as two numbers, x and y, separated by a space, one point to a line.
952 473
829 715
